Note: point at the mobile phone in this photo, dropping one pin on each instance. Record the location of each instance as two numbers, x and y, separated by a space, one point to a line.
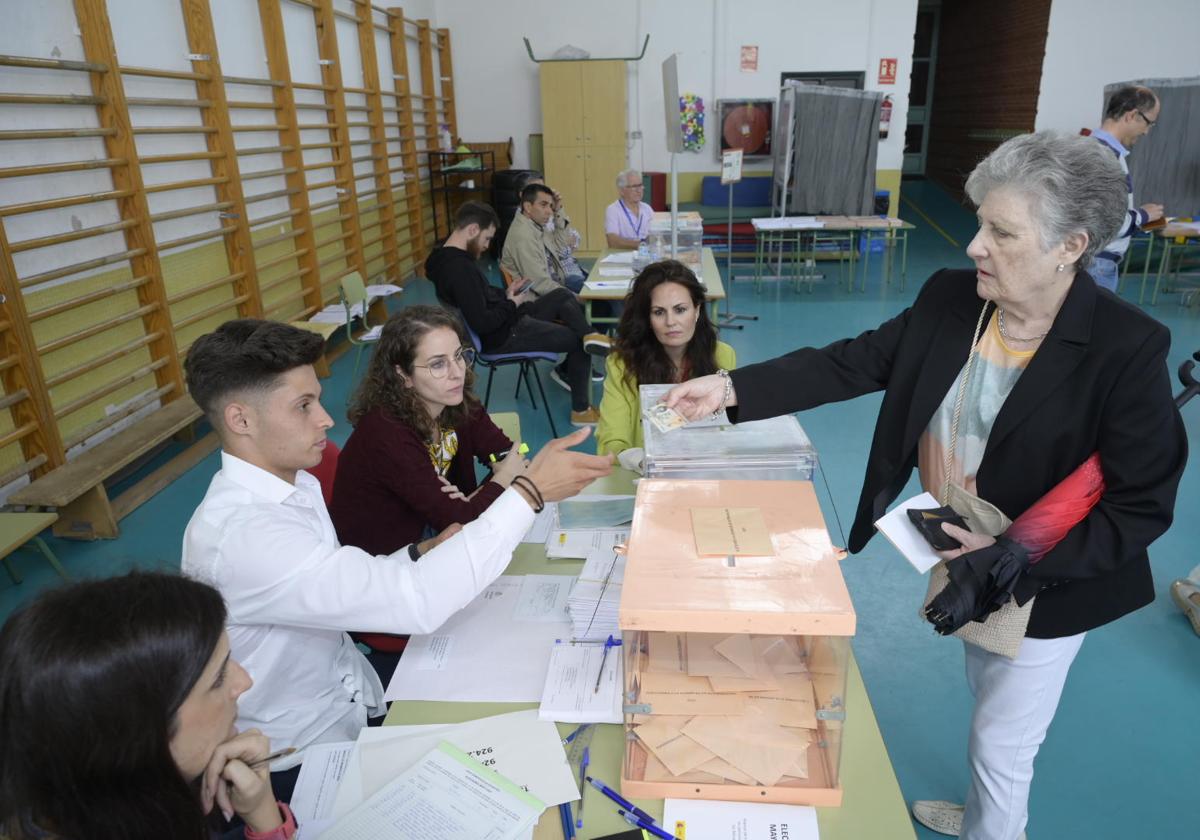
523 288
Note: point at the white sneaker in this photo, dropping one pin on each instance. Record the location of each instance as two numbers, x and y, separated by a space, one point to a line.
941 816
559 379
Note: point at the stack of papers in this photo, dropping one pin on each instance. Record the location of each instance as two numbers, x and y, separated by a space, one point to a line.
516 745
726 708
618 258
583 685
446 795
591 512
698 819
496 649
335 313
596 596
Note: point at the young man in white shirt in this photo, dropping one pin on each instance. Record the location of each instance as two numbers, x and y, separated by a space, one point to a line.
263 537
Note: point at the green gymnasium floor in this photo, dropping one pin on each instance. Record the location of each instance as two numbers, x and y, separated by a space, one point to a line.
1120 761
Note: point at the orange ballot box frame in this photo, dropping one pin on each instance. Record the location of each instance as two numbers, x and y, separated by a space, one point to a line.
735 663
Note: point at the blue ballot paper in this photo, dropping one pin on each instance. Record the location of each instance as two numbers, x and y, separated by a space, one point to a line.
582 513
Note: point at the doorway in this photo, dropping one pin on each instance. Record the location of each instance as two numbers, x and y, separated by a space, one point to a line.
920 91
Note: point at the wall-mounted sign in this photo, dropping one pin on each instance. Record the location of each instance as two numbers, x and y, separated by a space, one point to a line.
749 59
887 71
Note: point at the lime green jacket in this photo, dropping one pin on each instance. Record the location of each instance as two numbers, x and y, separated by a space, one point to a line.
620 415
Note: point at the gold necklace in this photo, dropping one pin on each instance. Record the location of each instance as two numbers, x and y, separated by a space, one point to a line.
1007 337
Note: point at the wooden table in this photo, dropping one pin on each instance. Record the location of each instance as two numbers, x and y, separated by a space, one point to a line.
872 806
770 232
710 276
1167 234
21 529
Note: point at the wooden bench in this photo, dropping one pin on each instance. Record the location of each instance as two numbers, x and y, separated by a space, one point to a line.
76 489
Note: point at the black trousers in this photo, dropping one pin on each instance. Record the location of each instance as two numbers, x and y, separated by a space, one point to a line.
539 329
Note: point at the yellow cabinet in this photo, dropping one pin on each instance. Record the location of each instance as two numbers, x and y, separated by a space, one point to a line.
584 139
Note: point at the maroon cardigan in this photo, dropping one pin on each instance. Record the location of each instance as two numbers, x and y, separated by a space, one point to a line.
386 490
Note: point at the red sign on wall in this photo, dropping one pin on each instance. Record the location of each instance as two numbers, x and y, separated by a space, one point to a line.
887 71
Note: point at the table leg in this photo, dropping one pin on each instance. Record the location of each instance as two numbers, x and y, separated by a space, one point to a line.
903 258
1164 261
866 259
758 260
1146 268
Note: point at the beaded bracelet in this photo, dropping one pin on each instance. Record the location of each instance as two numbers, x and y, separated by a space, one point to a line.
724 374
535 495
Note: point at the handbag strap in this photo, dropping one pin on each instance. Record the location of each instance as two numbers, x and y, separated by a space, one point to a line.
958 404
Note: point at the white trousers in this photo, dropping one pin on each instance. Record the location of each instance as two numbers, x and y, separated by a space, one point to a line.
1015 700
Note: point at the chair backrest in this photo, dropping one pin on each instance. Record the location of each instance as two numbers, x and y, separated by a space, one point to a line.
507 275
354 293
474 336
325 471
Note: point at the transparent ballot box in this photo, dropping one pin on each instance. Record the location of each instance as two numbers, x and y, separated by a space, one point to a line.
689 239
736 625
776 448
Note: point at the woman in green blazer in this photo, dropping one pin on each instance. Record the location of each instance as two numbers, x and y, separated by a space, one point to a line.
665 335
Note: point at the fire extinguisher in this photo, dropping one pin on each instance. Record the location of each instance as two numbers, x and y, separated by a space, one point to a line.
885 117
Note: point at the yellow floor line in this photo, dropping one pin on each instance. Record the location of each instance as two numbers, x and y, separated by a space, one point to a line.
930 222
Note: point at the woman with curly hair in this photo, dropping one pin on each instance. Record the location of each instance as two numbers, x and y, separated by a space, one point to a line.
408 468
664 335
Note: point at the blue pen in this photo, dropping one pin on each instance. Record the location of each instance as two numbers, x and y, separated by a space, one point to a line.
608 645
645 826
576 733
618 798
564 812
583 763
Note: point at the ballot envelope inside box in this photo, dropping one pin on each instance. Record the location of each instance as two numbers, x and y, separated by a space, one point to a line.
736 624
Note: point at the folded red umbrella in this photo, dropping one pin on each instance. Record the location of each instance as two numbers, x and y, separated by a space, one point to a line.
982 581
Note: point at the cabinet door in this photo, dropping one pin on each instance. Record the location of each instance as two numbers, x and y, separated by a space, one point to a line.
565 173
562 104
603 85
601 165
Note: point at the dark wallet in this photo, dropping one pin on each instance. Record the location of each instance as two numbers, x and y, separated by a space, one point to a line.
929 523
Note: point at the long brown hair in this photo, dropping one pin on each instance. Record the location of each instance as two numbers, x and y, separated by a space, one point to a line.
645 360
382 387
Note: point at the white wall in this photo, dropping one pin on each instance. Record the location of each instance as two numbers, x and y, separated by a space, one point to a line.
1091 43
497 85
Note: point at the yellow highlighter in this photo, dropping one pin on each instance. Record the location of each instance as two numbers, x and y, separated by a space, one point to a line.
523 449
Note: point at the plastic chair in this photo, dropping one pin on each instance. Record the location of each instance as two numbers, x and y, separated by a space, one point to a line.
527 364
354 295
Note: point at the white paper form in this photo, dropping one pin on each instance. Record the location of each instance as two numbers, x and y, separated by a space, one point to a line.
516 745
619 258
543 522
445 796
571 695
901 533
382 290
543 598
575 545
596 596
480 654
317 787
708 820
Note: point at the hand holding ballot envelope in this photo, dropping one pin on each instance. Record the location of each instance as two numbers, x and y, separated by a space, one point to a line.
701 397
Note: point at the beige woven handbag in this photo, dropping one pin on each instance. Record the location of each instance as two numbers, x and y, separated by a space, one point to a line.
1002 631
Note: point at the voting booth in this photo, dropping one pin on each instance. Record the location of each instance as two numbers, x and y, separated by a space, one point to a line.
736 627
776 448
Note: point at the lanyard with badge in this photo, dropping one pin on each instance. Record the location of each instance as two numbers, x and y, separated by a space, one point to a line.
637 229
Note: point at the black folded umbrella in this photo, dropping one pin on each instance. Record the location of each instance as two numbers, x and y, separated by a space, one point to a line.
981 582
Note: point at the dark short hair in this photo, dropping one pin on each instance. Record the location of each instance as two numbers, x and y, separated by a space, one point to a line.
527 178
92 676
645 360
532 191
246 354
476 213
1129 98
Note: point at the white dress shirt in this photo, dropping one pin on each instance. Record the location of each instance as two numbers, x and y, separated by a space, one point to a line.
292 593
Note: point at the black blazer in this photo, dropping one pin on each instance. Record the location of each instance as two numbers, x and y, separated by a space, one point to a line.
1098 382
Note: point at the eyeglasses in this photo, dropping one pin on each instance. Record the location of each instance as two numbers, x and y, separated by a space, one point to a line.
440 367
1149 122
634 187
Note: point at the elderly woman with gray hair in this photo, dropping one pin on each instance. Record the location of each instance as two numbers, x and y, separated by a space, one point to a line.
999 383
627 220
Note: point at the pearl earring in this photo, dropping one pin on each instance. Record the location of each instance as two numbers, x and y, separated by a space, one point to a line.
1061 267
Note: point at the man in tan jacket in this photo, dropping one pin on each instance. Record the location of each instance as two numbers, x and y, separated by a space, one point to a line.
530 251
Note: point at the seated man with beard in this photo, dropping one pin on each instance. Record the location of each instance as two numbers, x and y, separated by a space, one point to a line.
512 320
